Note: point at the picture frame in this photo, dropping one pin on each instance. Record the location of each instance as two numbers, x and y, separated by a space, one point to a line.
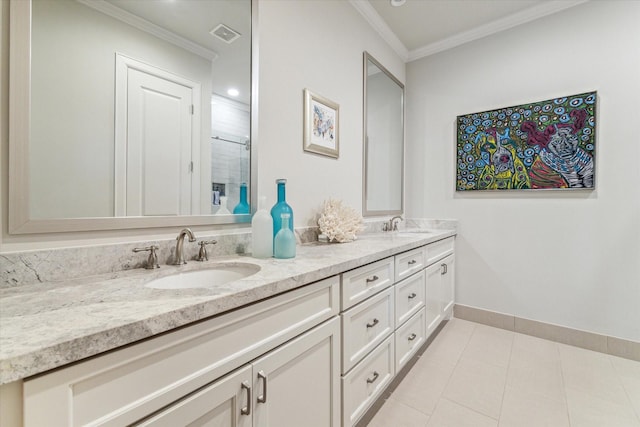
321 125
542 145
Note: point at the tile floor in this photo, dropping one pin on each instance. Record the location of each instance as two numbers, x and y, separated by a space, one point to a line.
475 375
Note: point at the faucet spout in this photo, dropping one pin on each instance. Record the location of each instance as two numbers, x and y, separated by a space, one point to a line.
179 256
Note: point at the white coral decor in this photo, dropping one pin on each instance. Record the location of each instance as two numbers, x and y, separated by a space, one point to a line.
338 222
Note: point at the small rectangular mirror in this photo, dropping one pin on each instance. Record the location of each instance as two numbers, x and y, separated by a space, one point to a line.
383 141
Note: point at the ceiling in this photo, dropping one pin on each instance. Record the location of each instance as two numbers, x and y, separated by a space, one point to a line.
191 21
423 27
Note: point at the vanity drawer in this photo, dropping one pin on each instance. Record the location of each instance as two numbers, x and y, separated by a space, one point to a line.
410 297
364 384
409 262
365 326
409 338
440 249
362 282
122 386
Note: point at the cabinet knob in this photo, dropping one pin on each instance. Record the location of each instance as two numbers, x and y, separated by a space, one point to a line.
373 378
247 409
412 295
372 324
412 337
443 268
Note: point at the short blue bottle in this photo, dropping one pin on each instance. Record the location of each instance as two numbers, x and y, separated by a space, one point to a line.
284 244
281 207
242 207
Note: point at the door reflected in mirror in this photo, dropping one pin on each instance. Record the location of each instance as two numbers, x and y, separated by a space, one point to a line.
137 108
383 140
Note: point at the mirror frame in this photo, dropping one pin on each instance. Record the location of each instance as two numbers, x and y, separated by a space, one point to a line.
19 130
365 167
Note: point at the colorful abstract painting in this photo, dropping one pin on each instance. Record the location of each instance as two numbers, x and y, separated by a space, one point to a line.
542 145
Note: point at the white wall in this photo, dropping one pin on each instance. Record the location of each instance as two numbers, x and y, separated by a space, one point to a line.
569 258
316 45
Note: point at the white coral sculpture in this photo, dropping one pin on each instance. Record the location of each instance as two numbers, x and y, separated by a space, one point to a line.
338 222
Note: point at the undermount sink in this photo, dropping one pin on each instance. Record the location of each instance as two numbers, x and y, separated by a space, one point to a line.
414 231
217 275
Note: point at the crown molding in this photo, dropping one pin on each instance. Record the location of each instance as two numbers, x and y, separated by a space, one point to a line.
381 27
531 14
148 27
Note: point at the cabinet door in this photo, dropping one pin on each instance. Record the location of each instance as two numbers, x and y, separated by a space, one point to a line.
433 297
365 326
298 384
367 381
409 295
409 338
224 403
448 281
409 262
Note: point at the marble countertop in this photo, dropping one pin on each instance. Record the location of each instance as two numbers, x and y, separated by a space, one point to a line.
48 325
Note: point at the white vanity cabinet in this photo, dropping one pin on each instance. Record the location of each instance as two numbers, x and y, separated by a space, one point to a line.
385 326
261 393
222 403
440 278
317 356
189 370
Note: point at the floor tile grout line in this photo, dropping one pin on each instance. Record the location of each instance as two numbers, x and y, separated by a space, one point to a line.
564 383
469 408
626 391
506 378
449 376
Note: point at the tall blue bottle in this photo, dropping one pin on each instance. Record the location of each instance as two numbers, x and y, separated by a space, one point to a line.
281 207
242 207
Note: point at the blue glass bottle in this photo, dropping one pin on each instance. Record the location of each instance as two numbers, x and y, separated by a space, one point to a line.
242 207
281 207
284 244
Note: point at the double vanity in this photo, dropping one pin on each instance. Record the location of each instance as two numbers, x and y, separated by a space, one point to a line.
310 341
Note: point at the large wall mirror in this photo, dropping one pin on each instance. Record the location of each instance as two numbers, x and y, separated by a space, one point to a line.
383 140
130 113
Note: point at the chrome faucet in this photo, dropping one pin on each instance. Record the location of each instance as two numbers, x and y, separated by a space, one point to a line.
179 255
392 225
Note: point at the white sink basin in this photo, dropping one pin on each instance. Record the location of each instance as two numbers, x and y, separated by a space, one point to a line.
217 275
414 231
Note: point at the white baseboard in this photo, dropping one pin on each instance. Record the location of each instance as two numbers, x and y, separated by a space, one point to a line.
562 334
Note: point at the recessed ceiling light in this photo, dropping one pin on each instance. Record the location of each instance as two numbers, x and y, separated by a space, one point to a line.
233 92
397 3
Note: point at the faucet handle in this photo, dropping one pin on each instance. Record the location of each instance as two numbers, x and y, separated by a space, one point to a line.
393 223
202 255
152 261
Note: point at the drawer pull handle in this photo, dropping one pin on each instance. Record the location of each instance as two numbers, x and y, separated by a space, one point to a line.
372 279
413 261
444 269
373 378
247 409
263 398
372 324
412 295
412 337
